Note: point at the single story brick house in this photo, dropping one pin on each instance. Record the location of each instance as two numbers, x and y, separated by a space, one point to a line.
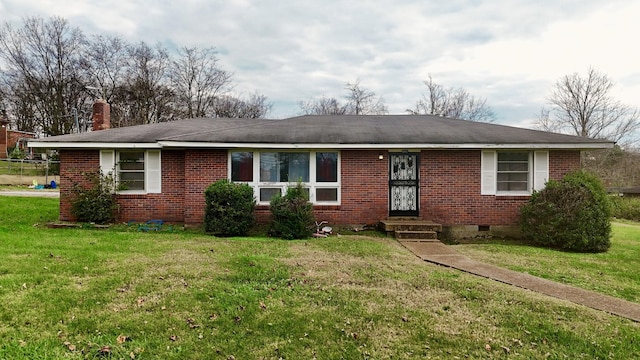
358 169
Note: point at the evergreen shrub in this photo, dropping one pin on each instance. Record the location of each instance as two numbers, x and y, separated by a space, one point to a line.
572 214
95 200
229 208
292 215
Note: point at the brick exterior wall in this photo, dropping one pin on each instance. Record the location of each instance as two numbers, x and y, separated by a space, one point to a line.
73 163
449 187
168 205
202 167
9 138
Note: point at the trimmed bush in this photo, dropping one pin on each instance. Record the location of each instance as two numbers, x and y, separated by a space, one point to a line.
229 208
292 215
95 200
572 214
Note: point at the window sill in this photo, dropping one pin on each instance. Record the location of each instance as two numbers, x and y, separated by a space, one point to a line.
132 192
512 196
315 206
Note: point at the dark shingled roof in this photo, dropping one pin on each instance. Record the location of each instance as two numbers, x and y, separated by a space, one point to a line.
334 130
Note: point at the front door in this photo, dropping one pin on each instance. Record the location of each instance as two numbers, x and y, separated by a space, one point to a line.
403 184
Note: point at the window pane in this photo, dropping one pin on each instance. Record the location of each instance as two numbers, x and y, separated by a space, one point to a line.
132 180
131 165
132 156
514 156
284 167
513 166
266 194
269 167
327 167
298 167
513 177
326 194
131 160
512 186
242 166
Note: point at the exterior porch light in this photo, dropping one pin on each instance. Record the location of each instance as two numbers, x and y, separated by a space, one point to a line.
380 157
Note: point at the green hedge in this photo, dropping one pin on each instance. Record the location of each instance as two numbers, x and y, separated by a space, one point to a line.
292 215
95 201
625 208
573 214
229 208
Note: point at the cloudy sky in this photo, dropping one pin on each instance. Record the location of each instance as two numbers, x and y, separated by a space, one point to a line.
509 52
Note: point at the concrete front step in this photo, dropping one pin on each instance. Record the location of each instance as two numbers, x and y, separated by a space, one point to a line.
416 235
417 241
393 225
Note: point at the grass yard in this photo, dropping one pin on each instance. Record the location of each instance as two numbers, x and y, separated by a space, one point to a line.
118 293
16 167
616 272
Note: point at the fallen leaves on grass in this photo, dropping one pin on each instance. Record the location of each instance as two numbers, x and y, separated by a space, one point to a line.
192 323
121 339
69 346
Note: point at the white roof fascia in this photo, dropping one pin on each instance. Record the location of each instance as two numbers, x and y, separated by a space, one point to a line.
187 144
91 145
577 146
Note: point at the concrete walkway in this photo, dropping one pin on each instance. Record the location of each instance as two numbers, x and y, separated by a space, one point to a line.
441 254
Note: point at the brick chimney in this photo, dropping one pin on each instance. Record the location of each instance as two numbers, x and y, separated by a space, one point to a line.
101 115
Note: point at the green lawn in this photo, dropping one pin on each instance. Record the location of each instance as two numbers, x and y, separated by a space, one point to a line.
81 293
15 167
616 272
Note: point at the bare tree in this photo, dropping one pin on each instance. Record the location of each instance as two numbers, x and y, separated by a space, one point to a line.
255 107
106 63
106 60
197 80
362 101
359 101
146 96
323 106
584 106
42 79
453 103
50 71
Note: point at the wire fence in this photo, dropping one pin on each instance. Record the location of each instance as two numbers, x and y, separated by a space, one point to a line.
30 168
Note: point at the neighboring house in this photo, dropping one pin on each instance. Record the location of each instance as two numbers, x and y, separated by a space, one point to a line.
10 139
357 169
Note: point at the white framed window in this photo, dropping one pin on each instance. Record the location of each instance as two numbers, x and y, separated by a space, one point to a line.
271 172
138 170
130 169
513 172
